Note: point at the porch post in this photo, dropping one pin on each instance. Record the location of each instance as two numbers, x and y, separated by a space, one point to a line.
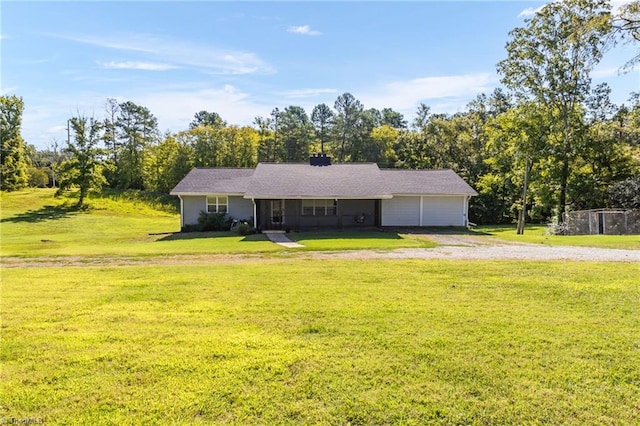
255 214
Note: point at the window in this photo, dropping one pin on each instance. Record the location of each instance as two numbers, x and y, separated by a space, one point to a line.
217 204
319 207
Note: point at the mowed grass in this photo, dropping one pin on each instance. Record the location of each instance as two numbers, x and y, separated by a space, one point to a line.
34 223
363 240
537 234
323 342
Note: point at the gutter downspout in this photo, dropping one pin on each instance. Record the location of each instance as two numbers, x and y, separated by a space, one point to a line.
255 214
181 213
466 211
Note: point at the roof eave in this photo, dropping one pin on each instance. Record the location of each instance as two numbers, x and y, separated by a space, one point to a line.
315 197
200 193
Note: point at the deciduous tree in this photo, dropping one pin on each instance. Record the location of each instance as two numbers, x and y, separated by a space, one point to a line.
549 61
84 169
13 159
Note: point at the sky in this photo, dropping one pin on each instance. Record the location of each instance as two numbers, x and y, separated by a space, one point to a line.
242 59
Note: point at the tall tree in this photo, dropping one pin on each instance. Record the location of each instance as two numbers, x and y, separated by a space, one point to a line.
110 139
422 116
296 133
550 60
393 119
265 144
84 169
515 148
349 114
137 129
206 118
167 163
276 150
323 120
603 158
626 26
13 157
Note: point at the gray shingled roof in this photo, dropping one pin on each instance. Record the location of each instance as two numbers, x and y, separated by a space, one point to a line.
305 181
425 182
336 181
214 181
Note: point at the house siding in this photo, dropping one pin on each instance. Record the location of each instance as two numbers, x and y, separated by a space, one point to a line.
191 207
401 211
444 211
239 208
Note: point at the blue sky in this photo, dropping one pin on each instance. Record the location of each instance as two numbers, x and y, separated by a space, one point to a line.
242 59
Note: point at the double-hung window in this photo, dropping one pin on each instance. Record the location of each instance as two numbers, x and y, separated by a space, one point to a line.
319 207
217 204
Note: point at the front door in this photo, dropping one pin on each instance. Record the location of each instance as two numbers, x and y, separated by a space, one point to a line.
277 213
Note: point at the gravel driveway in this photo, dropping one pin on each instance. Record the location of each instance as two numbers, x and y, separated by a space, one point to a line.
462 246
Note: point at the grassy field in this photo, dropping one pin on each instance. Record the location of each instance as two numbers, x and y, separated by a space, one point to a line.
332 342
34 223
537 234
278 338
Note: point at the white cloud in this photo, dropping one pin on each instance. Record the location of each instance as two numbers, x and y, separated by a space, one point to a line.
175 108
134 65
307 93
181 53
304 30
617 4
530 11
7 90
605 72
405 96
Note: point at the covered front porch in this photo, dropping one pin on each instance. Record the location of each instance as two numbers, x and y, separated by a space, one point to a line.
308 214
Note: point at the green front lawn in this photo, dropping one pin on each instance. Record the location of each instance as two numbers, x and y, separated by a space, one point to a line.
323 342
34 223
358 240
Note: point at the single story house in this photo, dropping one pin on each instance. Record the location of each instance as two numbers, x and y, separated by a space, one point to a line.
322 195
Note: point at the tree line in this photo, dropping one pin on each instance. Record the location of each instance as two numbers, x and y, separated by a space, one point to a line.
548 141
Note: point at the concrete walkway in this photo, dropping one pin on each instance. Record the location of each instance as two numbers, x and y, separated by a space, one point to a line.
281 239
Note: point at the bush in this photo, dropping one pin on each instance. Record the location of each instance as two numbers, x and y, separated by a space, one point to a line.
214 221
244 229
38 178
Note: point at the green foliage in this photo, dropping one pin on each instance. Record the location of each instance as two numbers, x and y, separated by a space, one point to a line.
38 178
549 62
245 228
206 118
348 121
322 342
626 193
213 222
136 130
13 149
626 24
84 169
323 120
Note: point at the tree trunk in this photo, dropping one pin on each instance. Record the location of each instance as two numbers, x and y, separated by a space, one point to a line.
523 211
564 174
